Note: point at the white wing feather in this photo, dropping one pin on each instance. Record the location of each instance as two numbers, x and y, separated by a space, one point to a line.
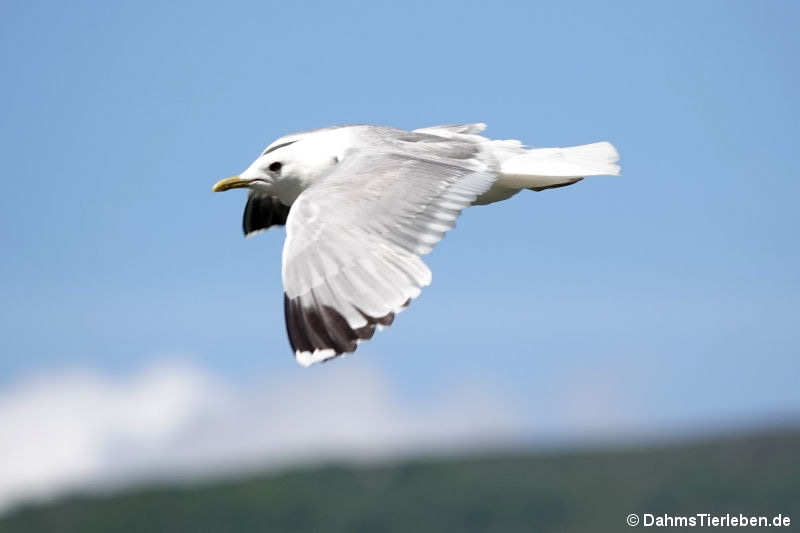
351 259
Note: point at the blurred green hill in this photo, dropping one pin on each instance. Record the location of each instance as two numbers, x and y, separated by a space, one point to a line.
575 491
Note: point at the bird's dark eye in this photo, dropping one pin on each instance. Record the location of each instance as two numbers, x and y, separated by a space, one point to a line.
276 166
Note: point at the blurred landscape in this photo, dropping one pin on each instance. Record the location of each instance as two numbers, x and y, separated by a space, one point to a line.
755 473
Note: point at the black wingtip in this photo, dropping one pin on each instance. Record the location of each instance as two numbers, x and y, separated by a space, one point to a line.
319 332
262 212
556 186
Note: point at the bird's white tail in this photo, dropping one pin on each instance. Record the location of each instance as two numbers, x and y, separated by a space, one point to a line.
543 168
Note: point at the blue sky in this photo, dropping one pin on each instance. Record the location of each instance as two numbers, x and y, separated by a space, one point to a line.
673 289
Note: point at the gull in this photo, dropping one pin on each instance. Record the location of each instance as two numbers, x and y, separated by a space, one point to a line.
362 204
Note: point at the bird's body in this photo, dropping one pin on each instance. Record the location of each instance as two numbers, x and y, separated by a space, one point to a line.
362 203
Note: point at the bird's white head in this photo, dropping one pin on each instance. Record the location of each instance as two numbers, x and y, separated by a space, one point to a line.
287 166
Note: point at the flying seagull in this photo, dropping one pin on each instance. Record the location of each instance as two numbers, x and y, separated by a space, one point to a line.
362 204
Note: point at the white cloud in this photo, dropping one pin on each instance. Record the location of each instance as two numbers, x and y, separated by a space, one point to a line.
84 430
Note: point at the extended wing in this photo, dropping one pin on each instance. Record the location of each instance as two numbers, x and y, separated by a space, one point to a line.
351 259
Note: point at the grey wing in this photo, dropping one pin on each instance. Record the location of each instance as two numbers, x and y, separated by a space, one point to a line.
351 259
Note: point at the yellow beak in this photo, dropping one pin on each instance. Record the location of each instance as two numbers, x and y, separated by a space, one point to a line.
234 182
